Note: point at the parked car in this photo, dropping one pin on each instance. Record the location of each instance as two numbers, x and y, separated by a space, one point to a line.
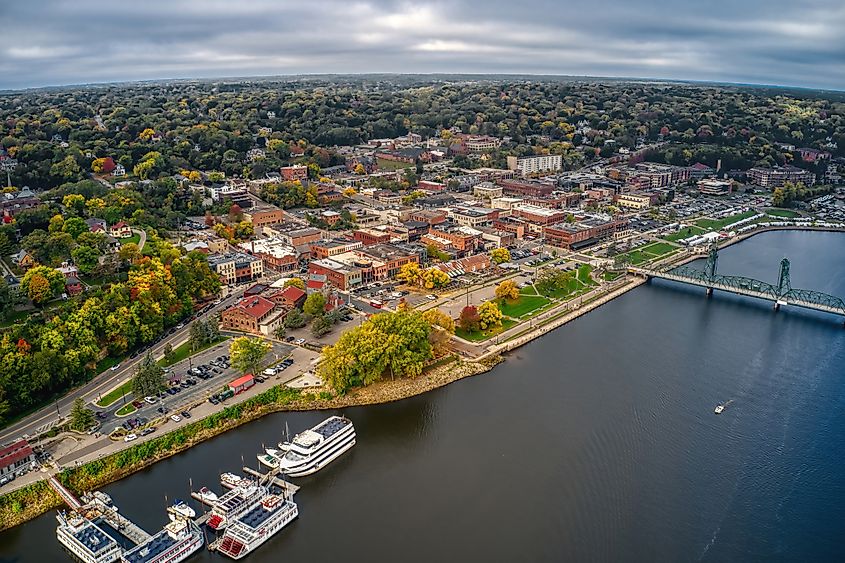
175 417
186 414
149 430
150 400
431 297
101 415
137 404
213 400
130 437
115 367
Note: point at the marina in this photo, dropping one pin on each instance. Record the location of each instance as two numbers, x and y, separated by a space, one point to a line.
254 507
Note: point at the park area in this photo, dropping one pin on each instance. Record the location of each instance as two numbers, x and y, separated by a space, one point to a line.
685 232
719 224
784 213
479 335
649 252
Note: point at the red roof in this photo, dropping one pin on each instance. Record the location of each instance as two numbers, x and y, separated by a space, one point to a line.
255 306
292 293
119 225
108 164
14 453
241 380
316 284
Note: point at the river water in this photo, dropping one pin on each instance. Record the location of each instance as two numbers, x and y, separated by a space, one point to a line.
597 442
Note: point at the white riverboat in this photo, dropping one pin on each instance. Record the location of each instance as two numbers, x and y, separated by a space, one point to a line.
180 509
314 449
234 503
177 541
258 524
85 540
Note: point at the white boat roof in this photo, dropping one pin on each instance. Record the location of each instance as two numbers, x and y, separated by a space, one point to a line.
307 439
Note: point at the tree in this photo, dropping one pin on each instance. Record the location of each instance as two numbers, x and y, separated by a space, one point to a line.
280 331
295 282
149 378
129 252
500 255
315 305
80 417
394 343
489 315
507 290
469 319
294 319
438 318
321 325
246 353
85 258
778 197
42 283
74 202
435 278
410 273
75 226
168 353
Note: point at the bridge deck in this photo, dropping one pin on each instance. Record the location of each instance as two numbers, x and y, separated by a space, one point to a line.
748 292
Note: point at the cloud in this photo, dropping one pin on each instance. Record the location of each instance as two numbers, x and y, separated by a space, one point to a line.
773 42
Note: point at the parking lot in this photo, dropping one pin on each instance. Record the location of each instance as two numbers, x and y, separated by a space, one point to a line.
189 381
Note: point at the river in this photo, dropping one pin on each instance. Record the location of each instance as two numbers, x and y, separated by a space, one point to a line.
597 442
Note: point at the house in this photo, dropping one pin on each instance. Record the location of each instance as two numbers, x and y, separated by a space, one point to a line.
119 171
290 297
108 165
73 286
120 230
14 456
23 260
96 225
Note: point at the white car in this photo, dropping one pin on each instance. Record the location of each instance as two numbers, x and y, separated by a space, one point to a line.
431 297
180 326
115 367
218 302
300 341
175 417
150 400
129 437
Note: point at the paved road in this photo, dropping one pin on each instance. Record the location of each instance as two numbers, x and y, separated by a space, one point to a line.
143 240
102 383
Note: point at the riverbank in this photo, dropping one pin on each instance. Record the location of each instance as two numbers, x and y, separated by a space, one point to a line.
33 500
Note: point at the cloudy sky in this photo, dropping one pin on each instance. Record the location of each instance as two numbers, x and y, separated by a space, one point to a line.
751 41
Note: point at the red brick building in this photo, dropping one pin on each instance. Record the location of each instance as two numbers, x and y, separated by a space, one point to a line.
294 172
525 189
251 314
369 237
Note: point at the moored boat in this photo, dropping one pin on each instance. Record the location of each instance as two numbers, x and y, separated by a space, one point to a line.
313 449
256 525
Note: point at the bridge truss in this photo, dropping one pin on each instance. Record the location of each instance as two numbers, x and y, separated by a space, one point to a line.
782 293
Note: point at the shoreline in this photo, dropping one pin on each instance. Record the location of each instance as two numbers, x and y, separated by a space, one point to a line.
22 505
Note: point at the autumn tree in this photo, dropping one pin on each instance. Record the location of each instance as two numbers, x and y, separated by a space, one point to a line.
507 290
469 319
489 315
246 353
42 283
433 278
295 282
500 255
410 273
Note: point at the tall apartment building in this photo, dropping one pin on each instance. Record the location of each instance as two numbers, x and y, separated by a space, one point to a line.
532 164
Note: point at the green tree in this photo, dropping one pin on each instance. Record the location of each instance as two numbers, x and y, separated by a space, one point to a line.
75 226
168 353
85 258
246 353
322 325
149 378
315 305
294 319
80 417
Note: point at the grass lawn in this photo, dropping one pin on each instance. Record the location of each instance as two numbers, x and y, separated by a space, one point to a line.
686 232
649 252
15 317
114 395
129 408
136 238
658 248
522 306
528 290
788 213
718 224
384 164
182 351
485 334
611 276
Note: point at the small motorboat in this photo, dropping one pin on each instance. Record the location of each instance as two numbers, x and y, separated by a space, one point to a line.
181 508
207 495
230 480
719 409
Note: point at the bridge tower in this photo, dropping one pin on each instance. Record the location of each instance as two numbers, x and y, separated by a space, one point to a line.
710 267
784 283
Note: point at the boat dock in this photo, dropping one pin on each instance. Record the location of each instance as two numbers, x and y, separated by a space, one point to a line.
123 525
272 478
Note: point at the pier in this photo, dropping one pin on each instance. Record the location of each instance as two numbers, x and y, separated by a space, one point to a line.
123 525
272 478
